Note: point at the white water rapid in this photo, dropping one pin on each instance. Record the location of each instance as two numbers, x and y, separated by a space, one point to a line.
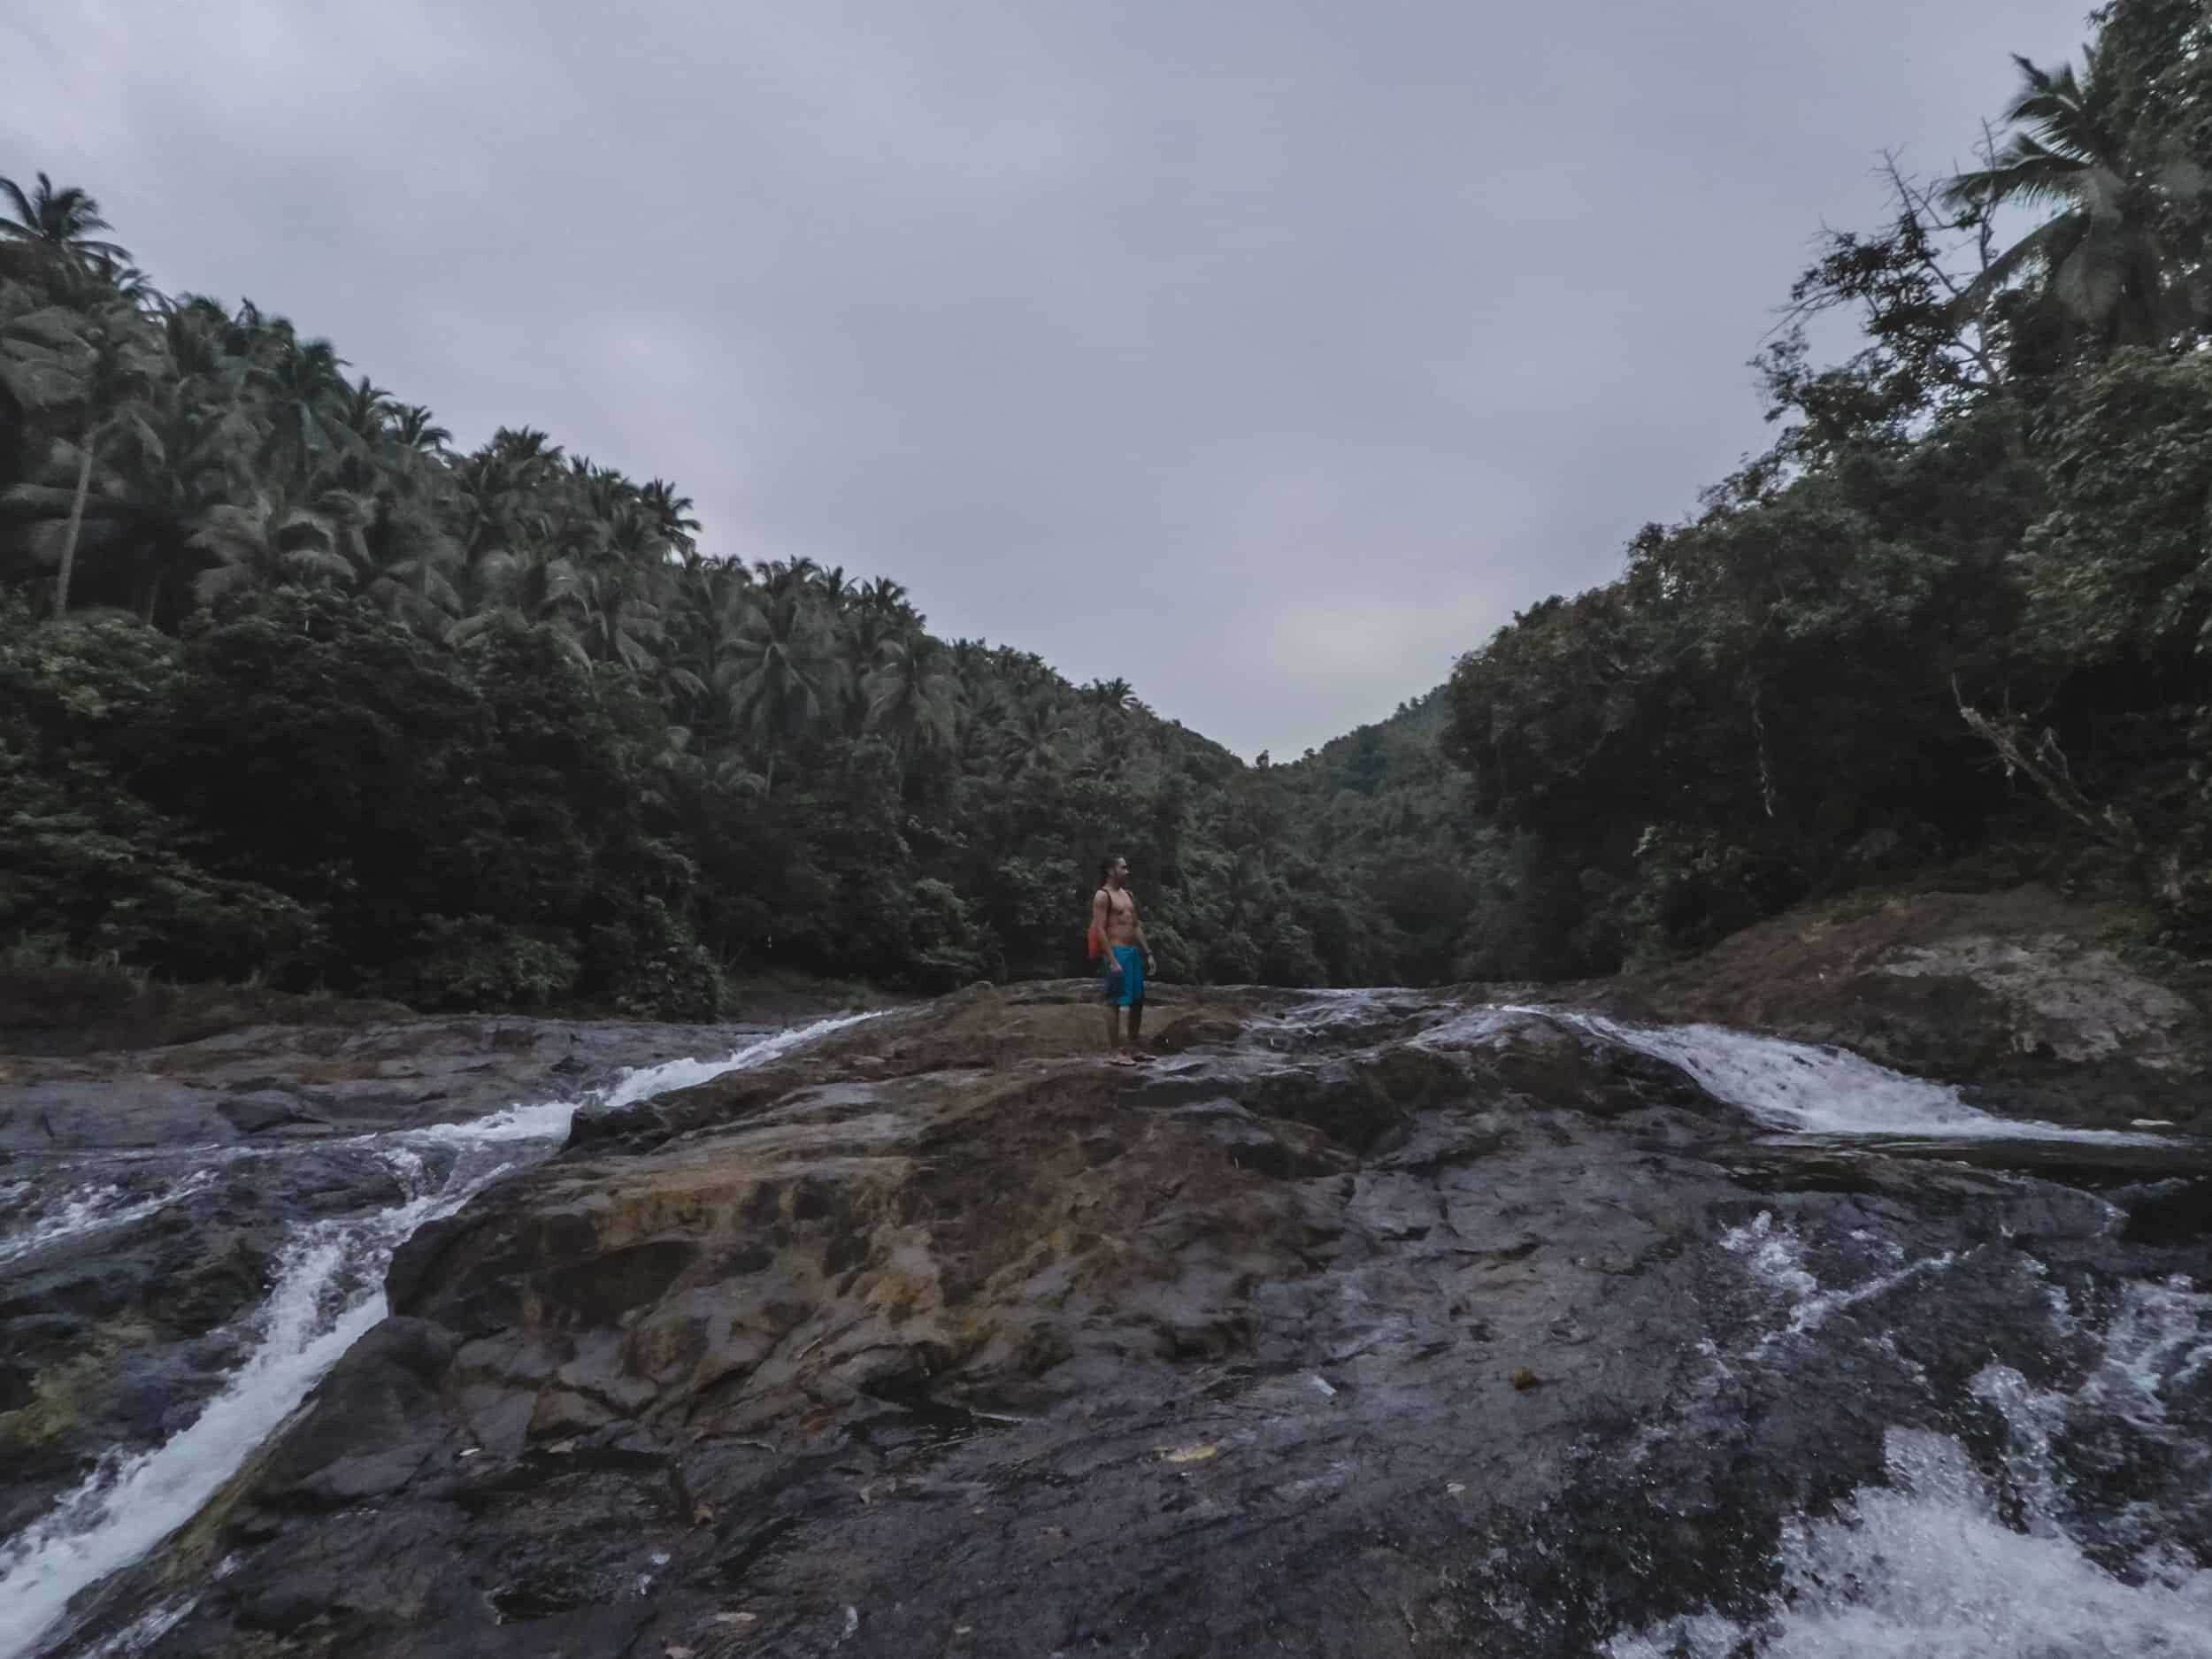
329 1290
33 1220
1944 1560
1795 1085
1937 1563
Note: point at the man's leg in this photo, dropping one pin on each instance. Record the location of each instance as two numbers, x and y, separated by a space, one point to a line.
1136 1024
1113 1028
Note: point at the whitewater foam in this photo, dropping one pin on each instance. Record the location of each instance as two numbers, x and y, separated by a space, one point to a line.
328 1293
94 1206
1798 1087
1936 1563
1776 1255
675 1074
1925 1569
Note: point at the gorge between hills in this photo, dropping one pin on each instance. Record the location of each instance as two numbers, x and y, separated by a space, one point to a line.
1690 1140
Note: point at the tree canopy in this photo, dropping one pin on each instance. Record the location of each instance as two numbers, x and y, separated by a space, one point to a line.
293 685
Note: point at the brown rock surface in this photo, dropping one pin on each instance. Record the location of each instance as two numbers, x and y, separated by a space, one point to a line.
943 1335
1354 1323
2023 992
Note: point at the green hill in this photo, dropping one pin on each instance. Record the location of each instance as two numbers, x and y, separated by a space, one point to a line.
291 689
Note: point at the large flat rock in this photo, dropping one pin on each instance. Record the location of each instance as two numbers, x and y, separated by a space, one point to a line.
1356 1323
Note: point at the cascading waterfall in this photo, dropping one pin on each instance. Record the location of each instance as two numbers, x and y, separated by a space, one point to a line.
2049 1494
1797 1086
1938 1563
328 1291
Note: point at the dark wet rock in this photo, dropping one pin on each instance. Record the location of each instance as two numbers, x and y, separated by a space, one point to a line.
2170 1213
361 1076
371 1426
1196 1032
115 1336
51 1011
1359 1323
1338 1343
118 1332
256 1109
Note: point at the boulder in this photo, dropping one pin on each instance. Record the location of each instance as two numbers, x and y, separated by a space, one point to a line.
2025 993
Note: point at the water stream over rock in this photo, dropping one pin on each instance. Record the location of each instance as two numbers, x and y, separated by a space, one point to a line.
327 1291
1357 1323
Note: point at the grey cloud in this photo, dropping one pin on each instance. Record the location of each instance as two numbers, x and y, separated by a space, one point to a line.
1268 354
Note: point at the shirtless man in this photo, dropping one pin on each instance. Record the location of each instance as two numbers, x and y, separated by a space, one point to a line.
1128 960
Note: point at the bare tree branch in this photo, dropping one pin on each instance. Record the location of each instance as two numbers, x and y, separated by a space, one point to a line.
2048 769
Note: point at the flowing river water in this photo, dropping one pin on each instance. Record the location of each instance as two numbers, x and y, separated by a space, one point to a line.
1948 1560
328 1290
2047 1496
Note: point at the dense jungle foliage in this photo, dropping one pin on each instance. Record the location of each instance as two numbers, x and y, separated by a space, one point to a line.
289 688
1957 617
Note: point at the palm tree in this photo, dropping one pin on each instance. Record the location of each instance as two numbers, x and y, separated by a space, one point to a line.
60 222
504 523
972 661
698 593
102 276
417 429
529 582
775 671
673 512
524 589
785 581
2103 261
912 694
303 387
1034 739
364 411
417 564
192 331
1112 704
886 598
864 635
1108 696
529 455
613 624
146 498
632 534
272 541
102 367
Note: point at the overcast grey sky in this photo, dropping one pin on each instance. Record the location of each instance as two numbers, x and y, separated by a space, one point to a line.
1269 353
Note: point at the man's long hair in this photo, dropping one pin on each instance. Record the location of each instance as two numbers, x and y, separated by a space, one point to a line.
1106 869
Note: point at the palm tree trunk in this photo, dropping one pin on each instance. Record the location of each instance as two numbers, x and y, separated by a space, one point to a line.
76 522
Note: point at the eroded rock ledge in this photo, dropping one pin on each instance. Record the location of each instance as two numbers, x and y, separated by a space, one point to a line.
1354 1324
2025 996
942 1336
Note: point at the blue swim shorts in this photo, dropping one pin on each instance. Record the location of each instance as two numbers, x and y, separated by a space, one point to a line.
1126 988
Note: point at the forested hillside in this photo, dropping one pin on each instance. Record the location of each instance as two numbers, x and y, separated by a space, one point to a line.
1957 618
292 688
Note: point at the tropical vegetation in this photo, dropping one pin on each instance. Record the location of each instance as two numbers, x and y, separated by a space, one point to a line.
1958 621
294 686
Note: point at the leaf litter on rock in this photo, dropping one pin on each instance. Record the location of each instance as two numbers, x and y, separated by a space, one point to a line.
1197 1453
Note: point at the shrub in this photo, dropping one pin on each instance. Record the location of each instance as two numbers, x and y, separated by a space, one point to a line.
648 964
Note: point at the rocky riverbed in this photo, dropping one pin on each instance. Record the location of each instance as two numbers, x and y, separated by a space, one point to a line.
1494 1321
